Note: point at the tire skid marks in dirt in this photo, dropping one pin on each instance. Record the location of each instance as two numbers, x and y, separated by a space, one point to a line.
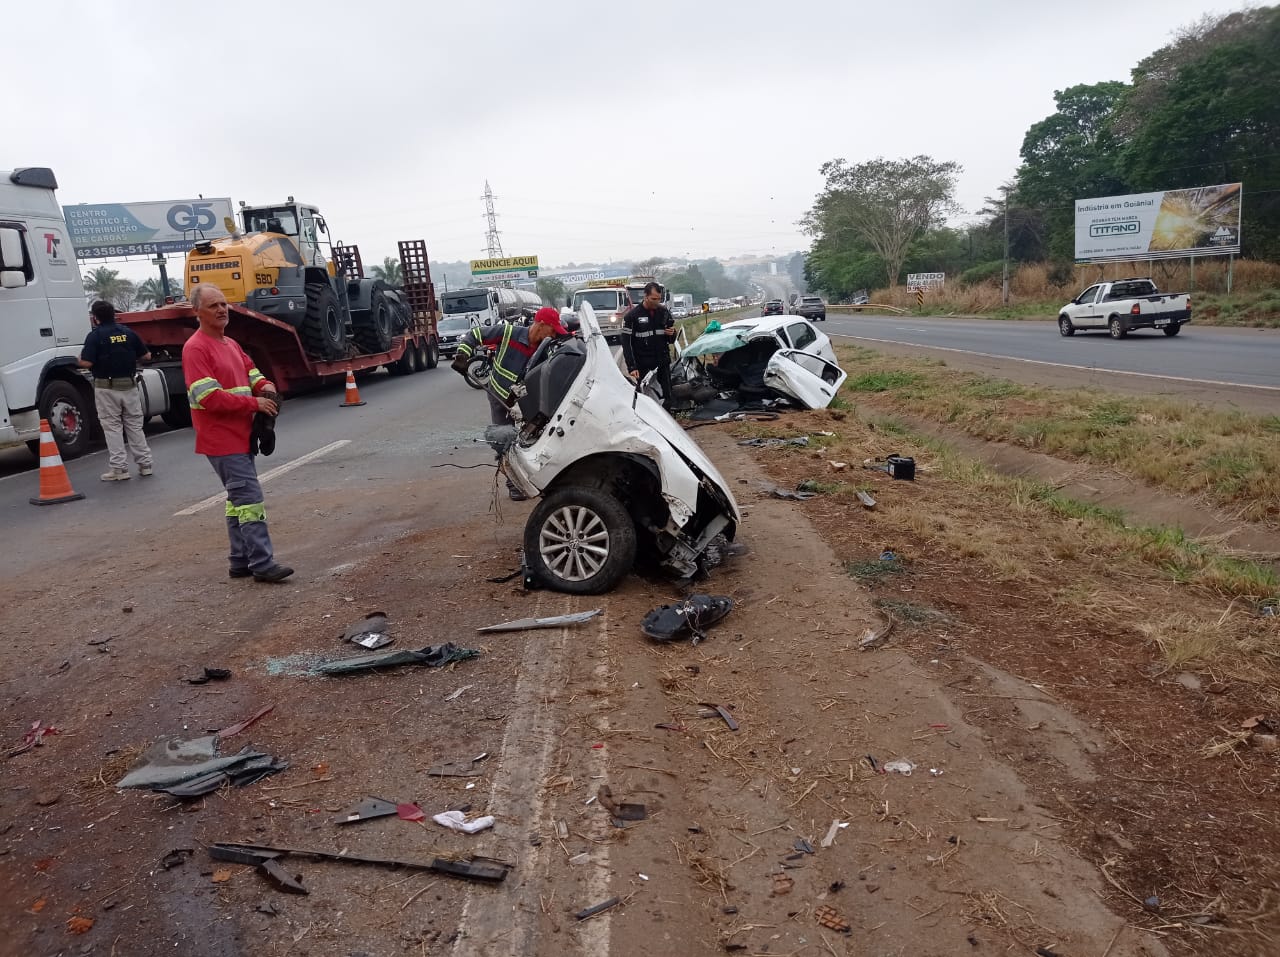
593 935
504 919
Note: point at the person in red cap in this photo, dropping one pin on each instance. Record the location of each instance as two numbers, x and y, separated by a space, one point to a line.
514 345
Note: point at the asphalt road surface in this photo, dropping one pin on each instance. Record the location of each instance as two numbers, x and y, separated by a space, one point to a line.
1199 355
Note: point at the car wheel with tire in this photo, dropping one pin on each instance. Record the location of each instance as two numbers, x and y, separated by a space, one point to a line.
580 540
1065 328
1117 328
1173 329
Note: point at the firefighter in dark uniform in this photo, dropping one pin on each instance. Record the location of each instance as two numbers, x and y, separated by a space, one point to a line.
514 345
647 330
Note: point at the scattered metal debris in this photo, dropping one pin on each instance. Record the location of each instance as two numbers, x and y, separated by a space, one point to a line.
432 656
722 712
901 766
830 918
686 619
786 493
455 694
239 726
621 811
254 854
366 810
411 812
210 674
588 912
799 440
272 871
370 631
34 738
458 769
803 846
528 624
865 498
176 858
190 768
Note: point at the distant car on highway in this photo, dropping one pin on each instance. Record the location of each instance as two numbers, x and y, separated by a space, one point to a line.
811 307
773 307
679 312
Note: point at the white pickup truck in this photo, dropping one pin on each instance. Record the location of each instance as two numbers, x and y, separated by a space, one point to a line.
1125 305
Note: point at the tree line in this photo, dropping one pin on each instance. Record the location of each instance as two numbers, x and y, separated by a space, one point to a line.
1203 110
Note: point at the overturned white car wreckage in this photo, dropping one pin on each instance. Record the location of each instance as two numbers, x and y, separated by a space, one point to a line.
756 364
620 482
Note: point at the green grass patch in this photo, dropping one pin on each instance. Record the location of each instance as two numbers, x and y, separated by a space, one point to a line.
882 381
992 389
909 611
875 571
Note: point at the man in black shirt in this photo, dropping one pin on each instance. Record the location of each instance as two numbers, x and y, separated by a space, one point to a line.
647 329
112 352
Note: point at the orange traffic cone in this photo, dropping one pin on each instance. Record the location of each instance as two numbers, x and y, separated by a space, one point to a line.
353 394
55 487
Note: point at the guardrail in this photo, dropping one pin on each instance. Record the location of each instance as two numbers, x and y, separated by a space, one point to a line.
896 310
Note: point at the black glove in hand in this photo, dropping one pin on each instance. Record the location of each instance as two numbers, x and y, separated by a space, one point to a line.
459 364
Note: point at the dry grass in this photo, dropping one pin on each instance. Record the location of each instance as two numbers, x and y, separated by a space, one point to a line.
1231 458
1255 298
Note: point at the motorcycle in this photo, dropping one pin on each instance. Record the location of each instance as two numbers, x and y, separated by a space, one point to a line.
480 368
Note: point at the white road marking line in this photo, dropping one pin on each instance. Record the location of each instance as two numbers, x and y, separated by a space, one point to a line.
1062 365
265 477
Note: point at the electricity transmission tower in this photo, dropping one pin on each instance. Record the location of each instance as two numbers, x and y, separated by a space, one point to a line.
495 244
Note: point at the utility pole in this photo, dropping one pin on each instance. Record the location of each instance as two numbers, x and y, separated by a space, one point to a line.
495 244
1004 286
164 274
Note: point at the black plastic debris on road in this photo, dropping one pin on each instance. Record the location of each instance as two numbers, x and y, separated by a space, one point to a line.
369 632
432 656
686 619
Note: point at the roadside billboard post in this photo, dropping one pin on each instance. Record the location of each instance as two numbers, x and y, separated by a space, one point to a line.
105 230
1170 224
509 269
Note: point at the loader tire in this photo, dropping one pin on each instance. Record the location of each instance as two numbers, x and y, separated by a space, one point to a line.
372 330
322 332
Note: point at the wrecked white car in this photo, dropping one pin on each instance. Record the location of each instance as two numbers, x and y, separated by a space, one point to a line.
620 481
756 363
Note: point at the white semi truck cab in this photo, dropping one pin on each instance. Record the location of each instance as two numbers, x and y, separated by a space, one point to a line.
44 318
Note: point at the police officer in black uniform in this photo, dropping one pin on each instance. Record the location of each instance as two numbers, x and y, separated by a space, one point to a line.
112 352
647 330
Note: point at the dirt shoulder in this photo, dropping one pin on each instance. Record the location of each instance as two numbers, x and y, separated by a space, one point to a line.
1049 759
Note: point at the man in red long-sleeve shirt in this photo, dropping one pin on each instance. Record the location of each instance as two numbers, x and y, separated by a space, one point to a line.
225 391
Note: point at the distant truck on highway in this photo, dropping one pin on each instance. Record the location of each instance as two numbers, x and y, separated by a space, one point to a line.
481 306
1125 305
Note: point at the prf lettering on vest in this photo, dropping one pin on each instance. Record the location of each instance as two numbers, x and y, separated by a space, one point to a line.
118 339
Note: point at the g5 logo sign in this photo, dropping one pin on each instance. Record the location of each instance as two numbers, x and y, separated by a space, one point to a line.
195 216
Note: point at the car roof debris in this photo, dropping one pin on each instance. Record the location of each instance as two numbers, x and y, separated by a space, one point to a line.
528 624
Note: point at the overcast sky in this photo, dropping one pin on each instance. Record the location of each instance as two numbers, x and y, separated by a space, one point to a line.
606 130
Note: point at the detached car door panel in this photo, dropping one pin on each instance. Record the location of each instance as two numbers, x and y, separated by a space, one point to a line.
810 380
